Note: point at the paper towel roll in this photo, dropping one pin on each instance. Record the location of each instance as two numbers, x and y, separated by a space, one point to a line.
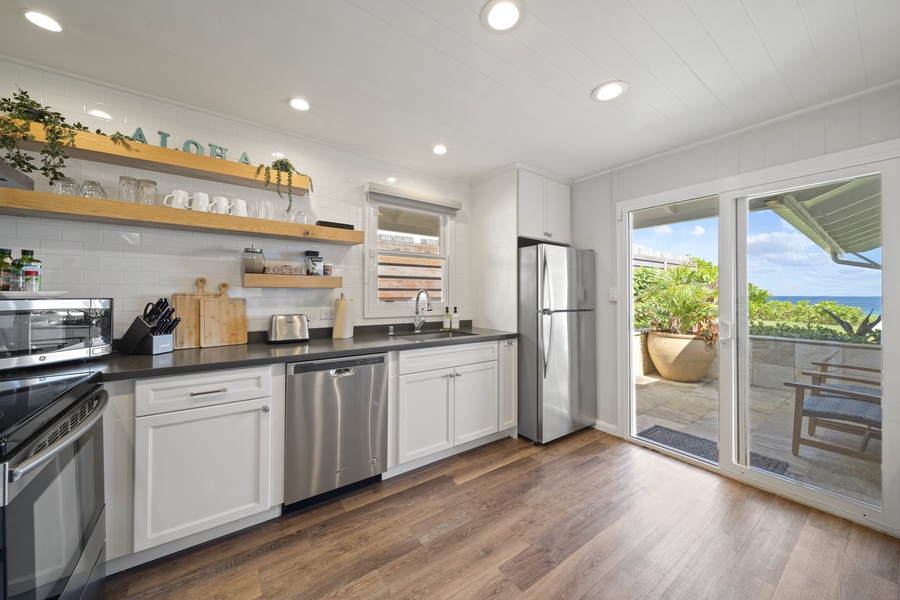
343 321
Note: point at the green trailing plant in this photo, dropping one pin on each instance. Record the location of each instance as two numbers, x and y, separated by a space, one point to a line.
15 126
21 111
284 175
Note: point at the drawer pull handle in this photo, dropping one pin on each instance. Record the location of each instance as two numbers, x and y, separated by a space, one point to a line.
219 391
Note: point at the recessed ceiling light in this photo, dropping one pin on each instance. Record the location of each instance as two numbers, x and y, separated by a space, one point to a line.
99 113
43 21
278 155
609 90
392 179
439 149
502 15
300 104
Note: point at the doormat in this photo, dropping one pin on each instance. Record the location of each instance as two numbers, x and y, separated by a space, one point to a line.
705 449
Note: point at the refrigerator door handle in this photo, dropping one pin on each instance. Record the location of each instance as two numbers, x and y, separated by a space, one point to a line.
546 340
546 286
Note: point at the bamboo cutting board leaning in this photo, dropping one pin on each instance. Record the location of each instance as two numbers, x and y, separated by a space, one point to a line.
223 320
187 307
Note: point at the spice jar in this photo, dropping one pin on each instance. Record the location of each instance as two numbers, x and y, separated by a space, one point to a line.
253 260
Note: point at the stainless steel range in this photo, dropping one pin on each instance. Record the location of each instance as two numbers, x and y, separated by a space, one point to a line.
52 524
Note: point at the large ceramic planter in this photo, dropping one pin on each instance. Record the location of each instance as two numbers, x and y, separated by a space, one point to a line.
684 358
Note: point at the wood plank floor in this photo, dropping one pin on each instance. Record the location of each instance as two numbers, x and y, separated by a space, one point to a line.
588 516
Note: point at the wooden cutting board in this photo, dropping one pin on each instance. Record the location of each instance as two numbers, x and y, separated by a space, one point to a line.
223 320
187 307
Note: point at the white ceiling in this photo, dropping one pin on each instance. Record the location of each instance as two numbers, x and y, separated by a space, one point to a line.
392 78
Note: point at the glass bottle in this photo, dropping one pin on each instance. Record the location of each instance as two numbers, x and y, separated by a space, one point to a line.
6 262
31 271
445 318
454 321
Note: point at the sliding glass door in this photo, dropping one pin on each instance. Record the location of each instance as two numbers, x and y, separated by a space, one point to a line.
675 256
809 304
781 286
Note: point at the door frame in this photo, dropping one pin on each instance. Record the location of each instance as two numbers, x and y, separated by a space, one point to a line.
883 157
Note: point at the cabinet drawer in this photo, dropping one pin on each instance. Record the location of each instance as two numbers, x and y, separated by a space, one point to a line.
165 394
440 357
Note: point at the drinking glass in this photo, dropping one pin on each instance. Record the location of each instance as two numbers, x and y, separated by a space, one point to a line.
128 189
67 186
253 209
146 193
92 189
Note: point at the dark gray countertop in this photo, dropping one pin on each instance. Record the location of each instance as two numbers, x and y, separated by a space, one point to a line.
117 367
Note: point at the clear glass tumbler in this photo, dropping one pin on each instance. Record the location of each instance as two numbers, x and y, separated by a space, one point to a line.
146 192
128 189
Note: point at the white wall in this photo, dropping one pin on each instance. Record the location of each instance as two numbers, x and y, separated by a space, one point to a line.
135 265
852 123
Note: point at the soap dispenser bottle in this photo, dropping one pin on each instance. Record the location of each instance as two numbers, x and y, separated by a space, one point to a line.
446 319
454 322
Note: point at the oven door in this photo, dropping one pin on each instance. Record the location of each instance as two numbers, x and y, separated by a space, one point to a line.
53 523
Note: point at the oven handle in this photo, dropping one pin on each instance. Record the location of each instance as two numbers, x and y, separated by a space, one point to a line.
35 462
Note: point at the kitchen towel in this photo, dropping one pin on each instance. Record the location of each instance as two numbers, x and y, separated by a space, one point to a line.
343 321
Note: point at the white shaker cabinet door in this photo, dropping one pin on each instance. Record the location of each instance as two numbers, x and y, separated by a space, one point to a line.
424 414
509 399
531 205
475 395
199 468
558 212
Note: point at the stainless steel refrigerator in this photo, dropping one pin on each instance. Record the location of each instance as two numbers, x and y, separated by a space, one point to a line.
557 341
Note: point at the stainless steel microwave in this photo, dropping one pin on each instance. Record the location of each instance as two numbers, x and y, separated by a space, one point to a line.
43 331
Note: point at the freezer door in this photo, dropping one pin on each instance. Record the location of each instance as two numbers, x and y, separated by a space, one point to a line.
566 277
568 373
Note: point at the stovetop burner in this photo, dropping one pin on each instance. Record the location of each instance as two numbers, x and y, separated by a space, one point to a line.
27 404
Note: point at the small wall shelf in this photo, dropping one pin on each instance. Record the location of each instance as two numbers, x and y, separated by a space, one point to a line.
23 203
269 280
100 148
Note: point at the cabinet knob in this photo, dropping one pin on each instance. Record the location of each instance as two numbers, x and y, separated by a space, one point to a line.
265 409
509 342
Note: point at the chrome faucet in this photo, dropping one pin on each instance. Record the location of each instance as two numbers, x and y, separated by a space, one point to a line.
420 318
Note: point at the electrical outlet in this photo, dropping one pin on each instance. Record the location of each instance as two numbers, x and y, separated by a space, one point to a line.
326 313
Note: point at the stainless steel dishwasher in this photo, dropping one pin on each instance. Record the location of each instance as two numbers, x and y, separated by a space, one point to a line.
335 424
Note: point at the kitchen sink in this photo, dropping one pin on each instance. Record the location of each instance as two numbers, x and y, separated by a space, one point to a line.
428 336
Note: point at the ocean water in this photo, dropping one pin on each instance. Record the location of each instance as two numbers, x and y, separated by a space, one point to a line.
866 303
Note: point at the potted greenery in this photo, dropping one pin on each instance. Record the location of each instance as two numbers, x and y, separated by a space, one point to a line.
679 306
284 172
15 126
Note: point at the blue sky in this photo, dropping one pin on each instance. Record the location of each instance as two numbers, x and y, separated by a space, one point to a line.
781 259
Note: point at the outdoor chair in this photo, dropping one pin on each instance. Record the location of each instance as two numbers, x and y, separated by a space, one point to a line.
841 402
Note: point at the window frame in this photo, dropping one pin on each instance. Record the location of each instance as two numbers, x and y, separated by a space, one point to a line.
372 308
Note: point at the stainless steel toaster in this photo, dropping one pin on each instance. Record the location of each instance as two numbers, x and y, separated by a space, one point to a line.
288 328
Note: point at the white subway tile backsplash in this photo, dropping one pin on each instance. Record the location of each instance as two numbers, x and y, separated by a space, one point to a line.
43 231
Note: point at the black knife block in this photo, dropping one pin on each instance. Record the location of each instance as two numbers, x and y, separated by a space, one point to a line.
139 340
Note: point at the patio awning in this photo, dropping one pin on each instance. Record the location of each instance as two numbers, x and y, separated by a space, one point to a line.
842 217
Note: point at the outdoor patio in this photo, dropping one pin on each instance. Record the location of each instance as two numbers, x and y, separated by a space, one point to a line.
693 408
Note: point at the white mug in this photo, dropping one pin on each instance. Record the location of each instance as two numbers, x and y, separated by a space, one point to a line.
221 205
198 202
239 208
176 199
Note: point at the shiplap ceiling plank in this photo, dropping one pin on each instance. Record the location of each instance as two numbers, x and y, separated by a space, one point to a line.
391 78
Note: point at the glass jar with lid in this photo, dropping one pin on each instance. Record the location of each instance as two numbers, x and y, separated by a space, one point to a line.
253 260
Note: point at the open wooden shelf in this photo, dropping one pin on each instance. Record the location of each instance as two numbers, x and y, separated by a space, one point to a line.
102 149
269 280
23 203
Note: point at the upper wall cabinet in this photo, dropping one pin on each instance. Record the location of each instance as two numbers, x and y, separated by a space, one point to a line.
545 208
